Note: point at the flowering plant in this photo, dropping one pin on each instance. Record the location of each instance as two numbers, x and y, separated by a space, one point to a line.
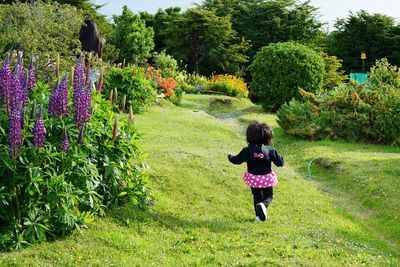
62 162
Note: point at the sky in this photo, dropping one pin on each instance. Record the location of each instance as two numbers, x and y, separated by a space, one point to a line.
329 10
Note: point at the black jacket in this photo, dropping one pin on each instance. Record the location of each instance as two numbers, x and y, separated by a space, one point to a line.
258 161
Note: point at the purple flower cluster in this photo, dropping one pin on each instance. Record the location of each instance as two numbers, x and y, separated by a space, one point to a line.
14 133
15 95
82 96
5 82
58 102
30 82
39 130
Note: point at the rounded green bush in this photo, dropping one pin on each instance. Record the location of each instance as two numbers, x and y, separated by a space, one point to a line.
280 70
138 90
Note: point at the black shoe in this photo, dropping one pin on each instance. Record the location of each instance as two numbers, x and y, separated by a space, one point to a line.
261 211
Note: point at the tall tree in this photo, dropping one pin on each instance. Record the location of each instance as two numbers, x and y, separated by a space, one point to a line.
133 38
205 42
376 34
159 21
269 21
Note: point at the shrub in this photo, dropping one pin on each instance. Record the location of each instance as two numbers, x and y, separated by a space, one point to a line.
43 30
166 64
58 170
228 84
279 70
130 82
353 113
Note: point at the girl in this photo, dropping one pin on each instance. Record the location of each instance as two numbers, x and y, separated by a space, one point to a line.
258 155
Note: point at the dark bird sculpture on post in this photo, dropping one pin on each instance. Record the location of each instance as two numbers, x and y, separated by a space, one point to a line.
91 39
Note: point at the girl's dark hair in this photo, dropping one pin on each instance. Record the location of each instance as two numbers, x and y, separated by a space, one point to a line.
259 133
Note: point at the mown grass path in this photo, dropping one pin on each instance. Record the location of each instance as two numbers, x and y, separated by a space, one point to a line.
202 212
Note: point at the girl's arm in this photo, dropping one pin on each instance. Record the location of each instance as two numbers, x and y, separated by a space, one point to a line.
239 158
276 158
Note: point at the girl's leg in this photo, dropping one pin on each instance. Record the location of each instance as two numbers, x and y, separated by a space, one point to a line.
267 196
257 197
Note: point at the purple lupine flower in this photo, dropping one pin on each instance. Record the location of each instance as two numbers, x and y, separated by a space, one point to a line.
24 96
89 101
87 72
5 82
39 130
78 89
63 94
22 118
20 70
31 76
53 100
14 133
15 95
65 143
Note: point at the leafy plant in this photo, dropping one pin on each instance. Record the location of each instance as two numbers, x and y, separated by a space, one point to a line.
129 82
42 30
279 70
368 113
59 170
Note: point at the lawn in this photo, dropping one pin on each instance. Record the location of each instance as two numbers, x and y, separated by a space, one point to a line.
339 210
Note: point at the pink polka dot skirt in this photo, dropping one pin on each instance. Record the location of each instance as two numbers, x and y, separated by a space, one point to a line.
260 181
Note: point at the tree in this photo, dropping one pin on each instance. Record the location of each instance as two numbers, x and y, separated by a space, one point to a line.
205 42
159 22
375 34
265 22
133 38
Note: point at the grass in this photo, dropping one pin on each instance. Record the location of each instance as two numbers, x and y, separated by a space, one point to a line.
344 213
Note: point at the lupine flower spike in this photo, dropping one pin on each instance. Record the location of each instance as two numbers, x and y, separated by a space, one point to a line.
123 103
22 117
39 130
115 100
14 133
111 96
65 143
115 129
31 76
87 71
5 83
15 95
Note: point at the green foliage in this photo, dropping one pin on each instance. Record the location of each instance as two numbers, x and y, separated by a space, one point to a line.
158 22
228 84
42 30
266 22
191 83
205 43
129 82
166 64
47 192
133 39
352 113
334 77
280 70
376 34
